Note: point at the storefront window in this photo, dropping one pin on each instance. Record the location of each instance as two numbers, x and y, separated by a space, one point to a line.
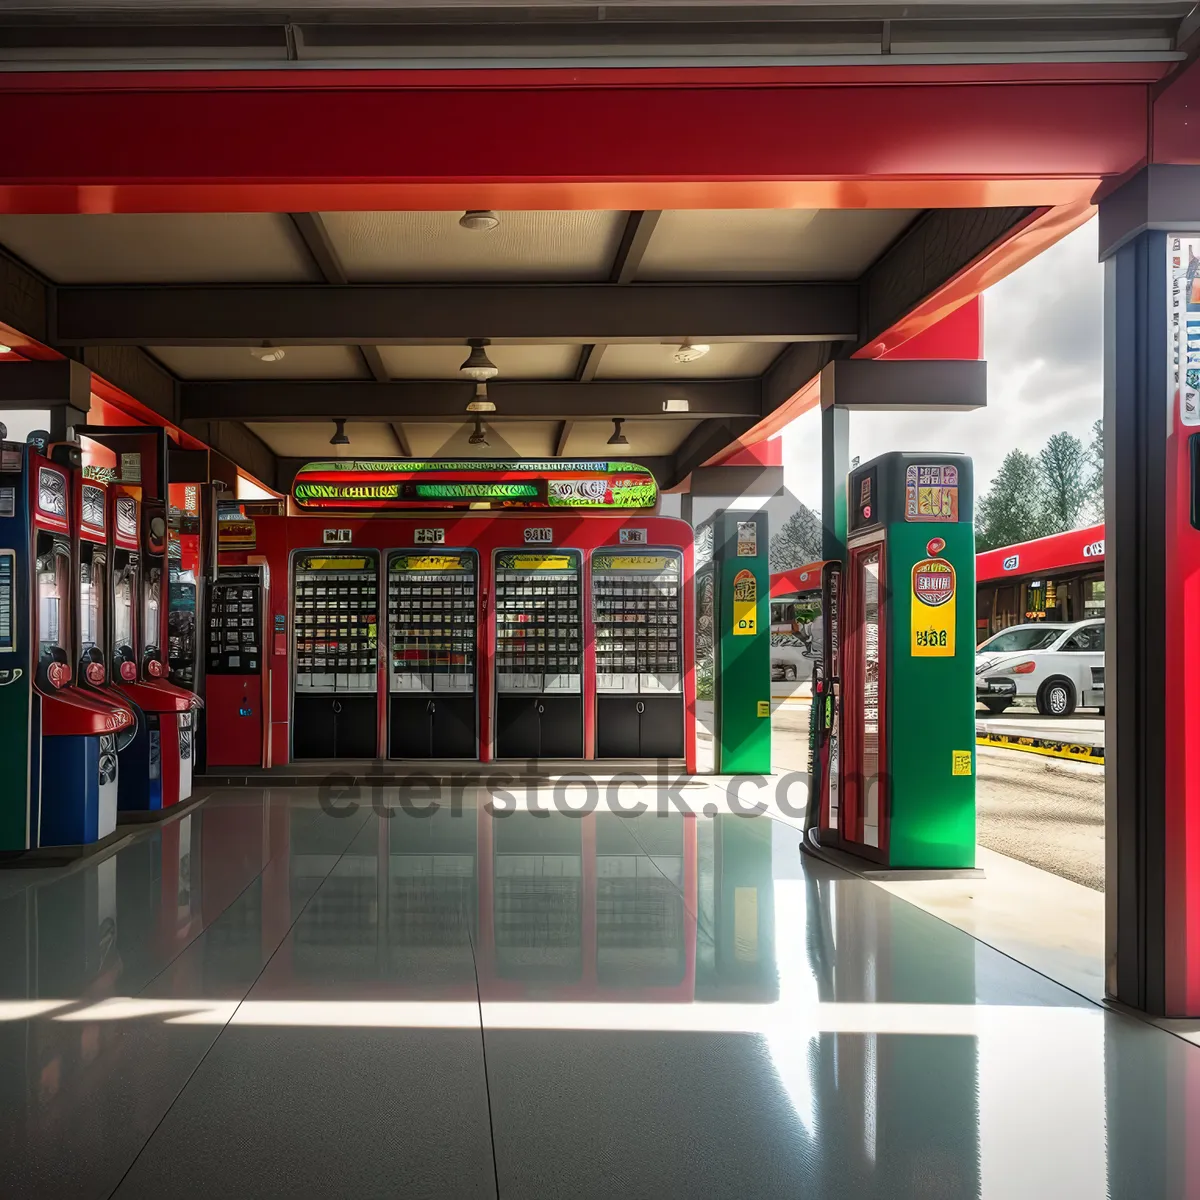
1093 596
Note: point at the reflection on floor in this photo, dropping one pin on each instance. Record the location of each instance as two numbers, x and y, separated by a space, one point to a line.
264 999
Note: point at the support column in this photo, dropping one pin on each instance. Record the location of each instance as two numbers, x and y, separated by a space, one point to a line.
1149 241
835 466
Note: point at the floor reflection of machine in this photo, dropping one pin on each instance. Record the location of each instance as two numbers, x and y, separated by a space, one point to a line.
59 739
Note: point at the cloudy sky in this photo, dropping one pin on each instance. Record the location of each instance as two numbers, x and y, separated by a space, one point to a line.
1042 331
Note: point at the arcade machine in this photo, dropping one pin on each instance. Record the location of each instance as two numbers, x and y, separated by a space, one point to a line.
907 785
59 740
159 759
477 570
236 668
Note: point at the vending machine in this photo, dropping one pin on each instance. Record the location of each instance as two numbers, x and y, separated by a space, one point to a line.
432 617
539 654
236 664
59 740
637 614
907 746
335 687
157 764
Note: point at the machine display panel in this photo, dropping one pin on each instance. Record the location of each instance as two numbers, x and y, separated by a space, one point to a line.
539 634
637 614
336 602
53 592
431 622
93 595
235 624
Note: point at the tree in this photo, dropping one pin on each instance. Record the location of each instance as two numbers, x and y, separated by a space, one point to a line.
1066 481
798 540
1013 509
1096 478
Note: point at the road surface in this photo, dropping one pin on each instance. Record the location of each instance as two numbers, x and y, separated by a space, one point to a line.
1044 811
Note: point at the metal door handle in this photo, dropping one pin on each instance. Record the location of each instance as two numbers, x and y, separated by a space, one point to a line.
541 708
337 706
641 707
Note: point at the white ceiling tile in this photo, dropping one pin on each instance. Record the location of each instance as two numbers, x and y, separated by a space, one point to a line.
310 439
589 439
393 246
160 247
725 360
764 243
236 362
506 439
514 362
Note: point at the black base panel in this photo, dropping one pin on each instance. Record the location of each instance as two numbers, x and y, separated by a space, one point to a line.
655 732
334 726
425 726
539 727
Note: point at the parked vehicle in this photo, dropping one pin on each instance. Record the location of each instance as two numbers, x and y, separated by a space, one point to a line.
1058 666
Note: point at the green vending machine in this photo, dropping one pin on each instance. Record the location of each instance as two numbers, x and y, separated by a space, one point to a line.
907 745
741 643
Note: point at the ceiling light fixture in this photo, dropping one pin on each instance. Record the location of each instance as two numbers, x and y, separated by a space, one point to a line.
477 437
339 437
479 220
618 438
5 349
478 366
689 351
677 404
267 353
481 403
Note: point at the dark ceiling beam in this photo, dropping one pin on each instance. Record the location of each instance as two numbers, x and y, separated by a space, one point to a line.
401 439
237 443
589 362
357 400
639 228
320 246
385 314
561 438
374 363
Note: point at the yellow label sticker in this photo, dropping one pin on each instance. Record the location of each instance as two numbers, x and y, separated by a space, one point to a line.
960 762
764 708
934 609
745 604
541 562
640 562
428 562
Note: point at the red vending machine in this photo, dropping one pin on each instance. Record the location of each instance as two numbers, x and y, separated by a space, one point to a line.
237 697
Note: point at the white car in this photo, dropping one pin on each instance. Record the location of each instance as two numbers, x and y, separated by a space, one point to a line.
1059 667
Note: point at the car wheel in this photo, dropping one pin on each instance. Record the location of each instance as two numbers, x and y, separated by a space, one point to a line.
1056 698
996 707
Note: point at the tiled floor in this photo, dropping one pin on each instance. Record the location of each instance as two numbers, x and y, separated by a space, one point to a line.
263 999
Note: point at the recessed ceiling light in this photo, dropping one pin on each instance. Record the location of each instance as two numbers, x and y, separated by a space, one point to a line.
618 438
5 349
481 403
267 353
479 220
339 436
478 366
677 404
477 437
689 351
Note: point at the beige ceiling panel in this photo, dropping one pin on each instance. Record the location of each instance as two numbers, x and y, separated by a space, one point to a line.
589 439
310 439
763 243
506 439
726 360
514 362
392 246
161 247
237 362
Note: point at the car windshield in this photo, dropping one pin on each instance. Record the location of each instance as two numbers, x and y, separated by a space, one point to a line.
1013 641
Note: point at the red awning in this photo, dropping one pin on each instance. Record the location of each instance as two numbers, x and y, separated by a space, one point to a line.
806 578
1059 552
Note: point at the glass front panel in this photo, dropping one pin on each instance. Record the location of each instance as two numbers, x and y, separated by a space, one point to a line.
93 585
431 622
124 582
336 623
539 636
53 589
637 611
1093 596
870 568
151 608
